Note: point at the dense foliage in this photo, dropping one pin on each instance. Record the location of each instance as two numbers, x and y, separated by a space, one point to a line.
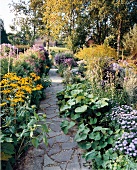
99 132
101 107
23 80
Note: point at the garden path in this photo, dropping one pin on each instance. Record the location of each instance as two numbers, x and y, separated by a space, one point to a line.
62 152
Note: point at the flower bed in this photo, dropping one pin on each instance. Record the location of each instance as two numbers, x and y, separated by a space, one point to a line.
99 133
22 85
104 109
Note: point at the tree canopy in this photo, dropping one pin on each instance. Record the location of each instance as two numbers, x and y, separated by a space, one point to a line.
74 20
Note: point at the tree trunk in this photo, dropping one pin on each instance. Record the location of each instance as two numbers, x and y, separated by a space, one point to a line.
47 45
119 37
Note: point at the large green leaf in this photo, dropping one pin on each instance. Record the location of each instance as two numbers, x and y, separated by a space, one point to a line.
74 93
7 139
93 121
98 128
103 144
90 96
65 126
110 140
90 155
79 98
81 109
97 136
44 128
71 102
75 116
85 145
7 148
92 135
64 107
35 142
102 103
95 144
80 137
82 133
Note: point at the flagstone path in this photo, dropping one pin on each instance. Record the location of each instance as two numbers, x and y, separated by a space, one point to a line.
62 152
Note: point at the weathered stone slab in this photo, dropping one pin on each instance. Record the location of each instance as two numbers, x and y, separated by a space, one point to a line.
74 164
55 127
48 161
69 145
52 168
63 156
52 115
62 138
52 134
35 152
54 150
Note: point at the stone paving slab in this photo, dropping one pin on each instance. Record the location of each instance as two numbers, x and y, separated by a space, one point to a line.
62 152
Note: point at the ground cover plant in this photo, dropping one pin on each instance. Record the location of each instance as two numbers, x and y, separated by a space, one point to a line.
21 92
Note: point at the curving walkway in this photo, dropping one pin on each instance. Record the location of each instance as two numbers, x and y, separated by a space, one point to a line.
62 152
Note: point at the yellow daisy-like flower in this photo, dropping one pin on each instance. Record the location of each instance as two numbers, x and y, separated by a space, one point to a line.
13 85
6 91
15 100
4 82
3 104
32 74
39 87
36 78
9 75
28 89
20 100
46 66
13 104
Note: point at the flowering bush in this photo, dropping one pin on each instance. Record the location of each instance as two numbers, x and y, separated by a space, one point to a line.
126 117
65 59
22 84
19 120
97 58
33 60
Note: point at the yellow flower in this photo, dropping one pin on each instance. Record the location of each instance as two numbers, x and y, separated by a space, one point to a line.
39 87
13 104
46 67
32 74
36 78
6 91
13 85
15 100
28 89
2 104
21 100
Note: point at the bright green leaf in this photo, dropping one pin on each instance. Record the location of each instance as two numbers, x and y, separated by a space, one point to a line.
35 142
75 116
65 107
92 121
81 109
